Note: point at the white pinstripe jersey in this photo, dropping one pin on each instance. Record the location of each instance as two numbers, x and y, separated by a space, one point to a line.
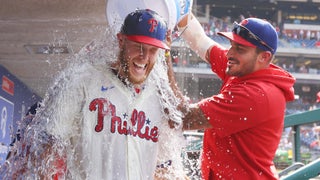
112 130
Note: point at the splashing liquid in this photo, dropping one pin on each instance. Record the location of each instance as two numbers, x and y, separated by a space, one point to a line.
59 142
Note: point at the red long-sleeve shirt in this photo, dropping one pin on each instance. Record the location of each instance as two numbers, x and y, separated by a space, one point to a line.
247 119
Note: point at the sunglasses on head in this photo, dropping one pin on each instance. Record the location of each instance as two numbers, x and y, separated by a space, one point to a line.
248 35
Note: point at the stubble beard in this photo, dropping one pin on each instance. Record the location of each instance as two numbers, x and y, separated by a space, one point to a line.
124 70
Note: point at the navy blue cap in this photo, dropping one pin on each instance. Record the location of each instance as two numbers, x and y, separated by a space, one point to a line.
254 32
145 26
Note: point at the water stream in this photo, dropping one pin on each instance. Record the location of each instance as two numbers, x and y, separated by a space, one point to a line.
33 159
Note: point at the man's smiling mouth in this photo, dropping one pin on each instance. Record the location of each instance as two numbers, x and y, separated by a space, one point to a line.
140 65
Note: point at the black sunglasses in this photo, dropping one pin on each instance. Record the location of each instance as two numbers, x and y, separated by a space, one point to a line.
248 35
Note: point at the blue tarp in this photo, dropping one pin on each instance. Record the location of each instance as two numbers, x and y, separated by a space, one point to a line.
15 100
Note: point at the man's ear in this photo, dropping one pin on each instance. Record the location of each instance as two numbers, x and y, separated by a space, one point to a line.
120 40
265 57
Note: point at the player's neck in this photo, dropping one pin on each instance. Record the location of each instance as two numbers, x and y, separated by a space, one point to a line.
125 81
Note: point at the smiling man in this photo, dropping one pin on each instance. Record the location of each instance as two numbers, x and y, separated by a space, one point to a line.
108 120
244 122
139 41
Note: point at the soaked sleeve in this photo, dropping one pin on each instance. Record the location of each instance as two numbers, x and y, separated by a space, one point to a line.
169 160
235 109
62 107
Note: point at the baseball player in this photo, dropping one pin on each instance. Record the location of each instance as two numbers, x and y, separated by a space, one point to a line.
109 121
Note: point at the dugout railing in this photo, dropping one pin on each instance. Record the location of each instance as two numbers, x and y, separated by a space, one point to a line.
311 169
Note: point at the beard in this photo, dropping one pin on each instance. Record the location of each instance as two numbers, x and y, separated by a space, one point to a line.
124 66
124 70
241 68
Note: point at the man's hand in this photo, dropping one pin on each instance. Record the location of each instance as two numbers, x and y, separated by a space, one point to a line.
183 22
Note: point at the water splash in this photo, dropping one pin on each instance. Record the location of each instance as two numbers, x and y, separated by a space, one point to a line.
40 155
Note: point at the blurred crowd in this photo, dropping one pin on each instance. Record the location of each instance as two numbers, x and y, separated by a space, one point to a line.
292 38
